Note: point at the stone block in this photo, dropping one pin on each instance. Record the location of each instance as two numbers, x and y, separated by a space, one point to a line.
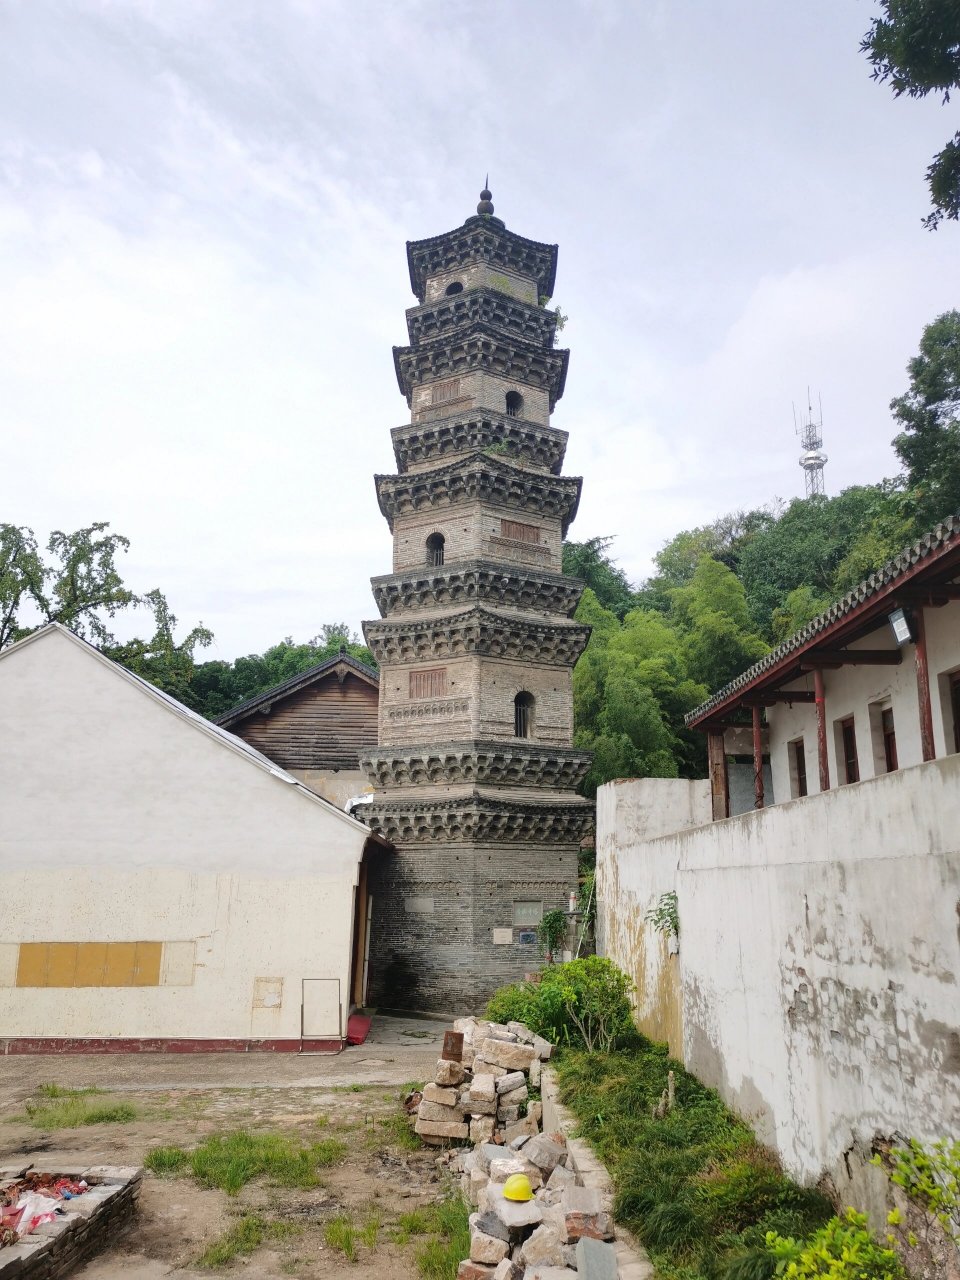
596 1260
448 1073
478 1106
543 1248
465 1025
523 1033
508 1115
487 1152
505 1166
469 1270
441 1129
543 1048
508 1270
561 1177
512 1080
481 1128
535 1111
536 1071
509 1055
487 1249
442 1097
514 1098
482 1067
500 1031
544 1153
583 1215
518 1140
434 1111
516 1215
547 1273
477 1184
525 1128
484 1086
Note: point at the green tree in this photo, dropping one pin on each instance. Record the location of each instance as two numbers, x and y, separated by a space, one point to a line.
217 686
590 561
712 615
929 415
79 585
915 47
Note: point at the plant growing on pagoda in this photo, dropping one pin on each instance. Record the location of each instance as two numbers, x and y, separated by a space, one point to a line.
551 932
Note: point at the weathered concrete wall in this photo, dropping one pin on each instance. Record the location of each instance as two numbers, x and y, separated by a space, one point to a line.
336 785
632 874
124 821
819 954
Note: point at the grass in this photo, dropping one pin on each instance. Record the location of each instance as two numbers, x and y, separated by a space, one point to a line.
695 1186
447 1225
229 1161
342 1233
57 1108
245 1236
394 1130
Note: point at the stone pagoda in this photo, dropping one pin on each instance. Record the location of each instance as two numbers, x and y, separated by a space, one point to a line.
475 772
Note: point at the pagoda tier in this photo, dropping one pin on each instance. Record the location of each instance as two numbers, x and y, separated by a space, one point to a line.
419 446
475 817
478 762
481 240
481 478
487 308
482 350
477 630
469 580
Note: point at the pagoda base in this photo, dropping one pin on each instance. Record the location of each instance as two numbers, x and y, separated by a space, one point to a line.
455 920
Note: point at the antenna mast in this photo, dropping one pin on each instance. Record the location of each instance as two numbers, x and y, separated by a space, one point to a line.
813 459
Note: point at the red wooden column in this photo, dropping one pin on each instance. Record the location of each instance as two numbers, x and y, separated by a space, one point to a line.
757 759
822 758
923 688
719 783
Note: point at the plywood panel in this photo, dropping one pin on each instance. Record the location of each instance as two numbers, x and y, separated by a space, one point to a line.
61 964
32 965
121 962
91 963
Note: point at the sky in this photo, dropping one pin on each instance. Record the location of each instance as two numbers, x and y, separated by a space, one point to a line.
204 206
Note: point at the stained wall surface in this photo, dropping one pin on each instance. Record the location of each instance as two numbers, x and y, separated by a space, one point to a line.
819 956
124 822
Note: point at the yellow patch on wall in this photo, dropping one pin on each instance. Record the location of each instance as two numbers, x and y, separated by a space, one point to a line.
89 964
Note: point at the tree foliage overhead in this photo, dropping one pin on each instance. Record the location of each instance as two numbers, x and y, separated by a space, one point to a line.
929 414
915 48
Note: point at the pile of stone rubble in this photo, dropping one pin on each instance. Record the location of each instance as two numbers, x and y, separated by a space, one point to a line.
562 1231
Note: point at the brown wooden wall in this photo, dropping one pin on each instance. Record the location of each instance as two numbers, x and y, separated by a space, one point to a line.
324 726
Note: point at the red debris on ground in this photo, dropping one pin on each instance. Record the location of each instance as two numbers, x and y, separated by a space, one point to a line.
31 1199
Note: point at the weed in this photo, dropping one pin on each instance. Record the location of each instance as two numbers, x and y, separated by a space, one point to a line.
164 1161
695 1185
418 1222
339 1234
394 1130
59 1108
230 1161
439 1258
370 1230
245 1236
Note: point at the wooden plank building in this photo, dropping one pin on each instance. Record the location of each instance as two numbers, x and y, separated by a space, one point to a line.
315 725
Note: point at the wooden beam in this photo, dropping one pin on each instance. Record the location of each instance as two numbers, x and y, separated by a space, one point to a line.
719 784
935 596
822 757
773 696
927 747
851 658
757 760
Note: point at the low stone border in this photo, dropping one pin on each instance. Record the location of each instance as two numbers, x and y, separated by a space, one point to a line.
633 1261
91 1223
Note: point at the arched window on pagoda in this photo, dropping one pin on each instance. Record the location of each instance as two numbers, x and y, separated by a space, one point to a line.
514 404
455 287
523 715
435 550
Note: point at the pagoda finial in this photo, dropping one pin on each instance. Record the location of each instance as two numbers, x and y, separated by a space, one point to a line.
486 200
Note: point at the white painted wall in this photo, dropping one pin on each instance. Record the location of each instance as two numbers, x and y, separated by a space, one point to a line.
819 954
122 820
850 690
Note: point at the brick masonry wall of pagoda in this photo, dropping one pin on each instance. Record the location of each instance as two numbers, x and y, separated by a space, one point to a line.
480 806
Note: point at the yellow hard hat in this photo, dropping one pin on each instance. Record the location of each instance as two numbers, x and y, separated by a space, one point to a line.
517 1187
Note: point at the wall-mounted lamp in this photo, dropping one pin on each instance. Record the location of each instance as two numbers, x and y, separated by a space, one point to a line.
900 624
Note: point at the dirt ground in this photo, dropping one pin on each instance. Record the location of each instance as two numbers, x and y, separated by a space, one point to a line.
180 1099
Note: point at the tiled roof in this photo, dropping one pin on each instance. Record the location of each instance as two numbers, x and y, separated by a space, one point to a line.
907 564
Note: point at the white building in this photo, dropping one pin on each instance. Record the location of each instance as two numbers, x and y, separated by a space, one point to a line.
848 698
164 884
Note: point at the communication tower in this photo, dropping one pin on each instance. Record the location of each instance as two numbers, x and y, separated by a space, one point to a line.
813 459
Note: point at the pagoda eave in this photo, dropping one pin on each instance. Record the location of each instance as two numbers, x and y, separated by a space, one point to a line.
463 434
485 350
509 586
482 238
477 630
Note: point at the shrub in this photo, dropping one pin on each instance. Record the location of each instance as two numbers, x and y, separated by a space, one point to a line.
582 1001
931 1178
843 1249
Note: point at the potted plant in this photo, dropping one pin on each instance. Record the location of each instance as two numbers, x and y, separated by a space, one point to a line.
551 931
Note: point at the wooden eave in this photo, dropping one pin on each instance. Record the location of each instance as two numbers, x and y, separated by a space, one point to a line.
337 667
